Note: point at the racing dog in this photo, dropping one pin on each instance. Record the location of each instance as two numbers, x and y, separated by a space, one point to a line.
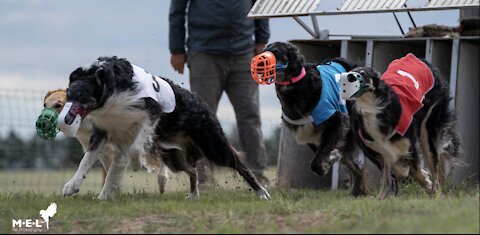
56 99
311 105
400 115
134 112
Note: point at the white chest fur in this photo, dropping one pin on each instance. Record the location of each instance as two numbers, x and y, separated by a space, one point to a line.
120 120
368 107
305 134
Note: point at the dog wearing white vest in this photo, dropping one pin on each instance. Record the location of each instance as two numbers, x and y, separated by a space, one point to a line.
136 112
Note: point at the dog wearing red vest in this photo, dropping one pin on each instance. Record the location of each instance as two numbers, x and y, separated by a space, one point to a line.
402 115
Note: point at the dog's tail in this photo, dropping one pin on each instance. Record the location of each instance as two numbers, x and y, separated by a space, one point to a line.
216 148
450 144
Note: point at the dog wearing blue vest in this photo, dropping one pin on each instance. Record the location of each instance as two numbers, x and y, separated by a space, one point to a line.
313 109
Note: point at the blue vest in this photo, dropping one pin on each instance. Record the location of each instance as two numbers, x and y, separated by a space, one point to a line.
330 100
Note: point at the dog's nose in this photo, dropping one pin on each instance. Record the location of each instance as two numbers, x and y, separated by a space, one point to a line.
351 78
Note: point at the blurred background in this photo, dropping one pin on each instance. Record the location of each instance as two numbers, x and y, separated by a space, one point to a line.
42 42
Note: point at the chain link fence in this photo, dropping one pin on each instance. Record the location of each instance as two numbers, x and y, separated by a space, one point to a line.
30 163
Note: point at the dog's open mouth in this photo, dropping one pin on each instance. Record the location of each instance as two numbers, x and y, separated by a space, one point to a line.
70 118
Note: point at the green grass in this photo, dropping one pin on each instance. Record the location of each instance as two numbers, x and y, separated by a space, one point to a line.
51 182
235 209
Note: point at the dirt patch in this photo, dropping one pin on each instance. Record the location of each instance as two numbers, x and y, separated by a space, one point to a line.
161 223
149 223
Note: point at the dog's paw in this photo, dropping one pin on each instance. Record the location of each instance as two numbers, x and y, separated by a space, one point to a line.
320 169
195 196
135 163
263 194
428 180
162 182
335 155
105 196
71 187
109 191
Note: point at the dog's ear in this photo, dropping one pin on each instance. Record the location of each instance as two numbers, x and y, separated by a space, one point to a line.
101 74
293 54
371 74
75 74
50 92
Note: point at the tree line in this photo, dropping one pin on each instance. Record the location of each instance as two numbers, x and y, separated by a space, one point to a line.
37 153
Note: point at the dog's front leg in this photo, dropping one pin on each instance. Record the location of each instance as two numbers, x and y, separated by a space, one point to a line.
162 177
73 185
320 164
113 181
97 142
325 156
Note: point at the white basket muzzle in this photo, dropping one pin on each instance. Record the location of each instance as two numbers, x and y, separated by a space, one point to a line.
70 118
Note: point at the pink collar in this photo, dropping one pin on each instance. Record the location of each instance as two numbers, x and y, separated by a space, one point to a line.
295 79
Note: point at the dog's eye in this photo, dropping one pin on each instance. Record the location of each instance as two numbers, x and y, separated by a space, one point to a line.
57 106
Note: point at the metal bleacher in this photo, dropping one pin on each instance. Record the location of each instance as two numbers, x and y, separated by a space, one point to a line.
297 8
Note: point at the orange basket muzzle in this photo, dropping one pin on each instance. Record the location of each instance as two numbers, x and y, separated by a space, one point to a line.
263 68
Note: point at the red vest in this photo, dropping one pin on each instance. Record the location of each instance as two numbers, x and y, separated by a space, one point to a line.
411 79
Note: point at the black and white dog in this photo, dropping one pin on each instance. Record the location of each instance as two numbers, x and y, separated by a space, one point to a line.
56 99
135 111
312 107
400 115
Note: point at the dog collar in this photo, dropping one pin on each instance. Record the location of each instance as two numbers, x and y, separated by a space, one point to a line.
298 122
295 79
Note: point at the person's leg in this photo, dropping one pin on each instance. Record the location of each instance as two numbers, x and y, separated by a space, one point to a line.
207 78
243 93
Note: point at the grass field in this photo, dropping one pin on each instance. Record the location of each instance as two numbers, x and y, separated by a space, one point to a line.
232 208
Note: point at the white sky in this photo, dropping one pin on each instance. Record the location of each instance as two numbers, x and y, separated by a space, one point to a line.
41 42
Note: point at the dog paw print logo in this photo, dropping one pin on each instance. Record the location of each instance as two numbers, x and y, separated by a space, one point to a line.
49 212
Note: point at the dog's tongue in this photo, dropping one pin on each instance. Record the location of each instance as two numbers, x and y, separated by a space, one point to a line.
70 118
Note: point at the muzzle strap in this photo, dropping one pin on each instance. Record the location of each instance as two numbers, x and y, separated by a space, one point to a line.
294 79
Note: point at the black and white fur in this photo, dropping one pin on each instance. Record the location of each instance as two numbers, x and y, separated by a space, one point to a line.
130 125
431 134
331 140
56 99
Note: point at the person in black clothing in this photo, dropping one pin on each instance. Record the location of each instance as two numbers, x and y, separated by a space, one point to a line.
220 44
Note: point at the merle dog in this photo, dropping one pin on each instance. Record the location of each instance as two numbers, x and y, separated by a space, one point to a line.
402 114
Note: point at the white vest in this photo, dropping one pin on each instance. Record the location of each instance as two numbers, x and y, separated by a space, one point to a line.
154 87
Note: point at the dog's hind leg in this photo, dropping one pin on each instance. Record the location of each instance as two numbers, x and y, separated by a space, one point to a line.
449 151
135 162
388 184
